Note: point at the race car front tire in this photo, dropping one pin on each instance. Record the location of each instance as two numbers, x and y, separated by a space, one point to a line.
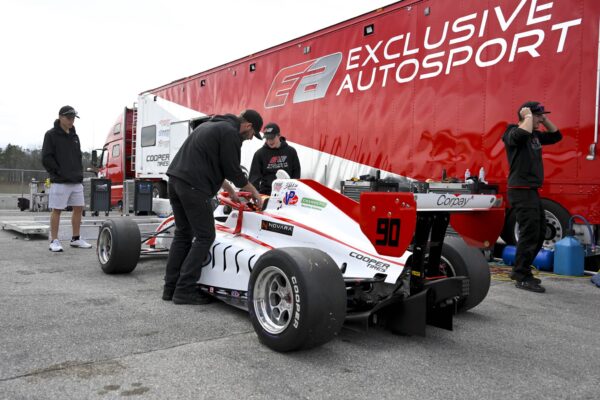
459 259
119 245
297 298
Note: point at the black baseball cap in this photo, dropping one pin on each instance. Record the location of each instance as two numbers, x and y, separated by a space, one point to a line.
271 130
68 110
255 119
535 106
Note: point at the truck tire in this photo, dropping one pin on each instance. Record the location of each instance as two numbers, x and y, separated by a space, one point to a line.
296 298
118 247
459 259
557 223
159 190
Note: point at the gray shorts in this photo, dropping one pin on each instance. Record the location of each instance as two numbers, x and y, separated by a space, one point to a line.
62 195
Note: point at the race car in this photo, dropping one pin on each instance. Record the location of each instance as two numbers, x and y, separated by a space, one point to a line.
313 258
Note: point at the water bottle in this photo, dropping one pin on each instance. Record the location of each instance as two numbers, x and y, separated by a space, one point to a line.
467 174
482 175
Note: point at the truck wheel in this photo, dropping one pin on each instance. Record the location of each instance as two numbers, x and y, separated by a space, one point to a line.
296 298
557 223
459 259
159 190
119 245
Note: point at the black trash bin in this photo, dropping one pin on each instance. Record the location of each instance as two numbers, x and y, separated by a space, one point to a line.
143 197
100 195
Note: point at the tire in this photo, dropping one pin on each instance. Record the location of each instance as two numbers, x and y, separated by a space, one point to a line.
296 298
118 247
159 190
459 259
557 223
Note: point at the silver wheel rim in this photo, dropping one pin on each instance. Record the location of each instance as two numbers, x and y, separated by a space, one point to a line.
446 267
273 300
104 245
554 231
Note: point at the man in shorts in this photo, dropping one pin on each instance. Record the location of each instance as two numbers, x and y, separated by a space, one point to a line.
61 156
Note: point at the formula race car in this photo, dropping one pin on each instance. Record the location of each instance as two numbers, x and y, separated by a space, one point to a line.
313 258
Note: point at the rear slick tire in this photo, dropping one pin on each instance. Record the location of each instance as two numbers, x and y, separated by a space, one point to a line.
459 259
118 247
296 298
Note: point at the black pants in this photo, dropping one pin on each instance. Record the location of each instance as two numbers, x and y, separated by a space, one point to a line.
194 234
532 228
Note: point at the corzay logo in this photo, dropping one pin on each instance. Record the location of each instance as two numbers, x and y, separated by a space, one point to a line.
290 198
305 81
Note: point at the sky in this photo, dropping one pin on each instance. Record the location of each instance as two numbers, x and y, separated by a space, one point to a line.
97 56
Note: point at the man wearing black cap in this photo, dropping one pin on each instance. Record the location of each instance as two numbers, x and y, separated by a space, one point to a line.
276 154
523 143
209 155
61 156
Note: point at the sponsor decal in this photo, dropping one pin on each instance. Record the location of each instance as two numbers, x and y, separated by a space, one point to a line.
296 322
290 198
290 185
277 227
453 201
370 262
312 203
277 186
160 159
523 29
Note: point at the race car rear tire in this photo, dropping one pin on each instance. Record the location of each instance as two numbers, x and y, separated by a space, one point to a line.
296 298
118 247
459 259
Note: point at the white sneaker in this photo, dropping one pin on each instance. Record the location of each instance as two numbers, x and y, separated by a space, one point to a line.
82 244
55 246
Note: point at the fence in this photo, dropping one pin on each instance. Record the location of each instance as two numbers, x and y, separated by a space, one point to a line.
16 181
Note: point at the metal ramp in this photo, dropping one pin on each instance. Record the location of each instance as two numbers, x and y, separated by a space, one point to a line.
26 227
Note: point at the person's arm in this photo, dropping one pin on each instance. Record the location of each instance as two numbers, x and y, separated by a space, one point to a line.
255 170
552 134
296 170
49 156
229 189
527 122
255 195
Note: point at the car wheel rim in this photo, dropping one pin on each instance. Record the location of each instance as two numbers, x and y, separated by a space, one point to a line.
104 245
273 300
554 230
446 267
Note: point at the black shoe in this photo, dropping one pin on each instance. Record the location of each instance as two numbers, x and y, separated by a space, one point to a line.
531 277
530 285
191 298
168 293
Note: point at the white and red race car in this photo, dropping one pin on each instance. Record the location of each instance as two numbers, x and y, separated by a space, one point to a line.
313 258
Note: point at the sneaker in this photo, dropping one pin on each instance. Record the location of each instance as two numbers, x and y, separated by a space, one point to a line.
55 246
82 244
168 293
531 277
530 285
191 298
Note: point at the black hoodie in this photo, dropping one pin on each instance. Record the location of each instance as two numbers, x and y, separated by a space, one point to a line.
61 155
210 154
267 161
524 153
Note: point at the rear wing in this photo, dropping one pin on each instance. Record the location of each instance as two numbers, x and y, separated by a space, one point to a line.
389 220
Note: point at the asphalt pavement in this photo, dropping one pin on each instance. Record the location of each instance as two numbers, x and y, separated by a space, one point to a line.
68 331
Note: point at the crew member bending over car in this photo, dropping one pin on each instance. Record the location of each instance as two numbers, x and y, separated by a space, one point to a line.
275 155
209 155
523 143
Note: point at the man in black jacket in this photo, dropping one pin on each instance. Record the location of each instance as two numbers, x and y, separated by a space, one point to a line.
61 156
209 155
276 154
523 143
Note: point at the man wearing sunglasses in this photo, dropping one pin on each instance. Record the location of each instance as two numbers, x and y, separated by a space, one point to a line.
523 143
61 156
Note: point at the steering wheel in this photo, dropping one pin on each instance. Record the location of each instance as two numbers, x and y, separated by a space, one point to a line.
247 206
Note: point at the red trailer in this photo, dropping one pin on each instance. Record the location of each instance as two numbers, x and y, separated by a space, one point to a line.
422 86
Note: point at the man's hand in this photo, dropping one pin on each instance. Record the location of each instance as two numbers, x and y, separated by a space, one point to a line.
229 189
526 122
255 195
525 112
550 127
